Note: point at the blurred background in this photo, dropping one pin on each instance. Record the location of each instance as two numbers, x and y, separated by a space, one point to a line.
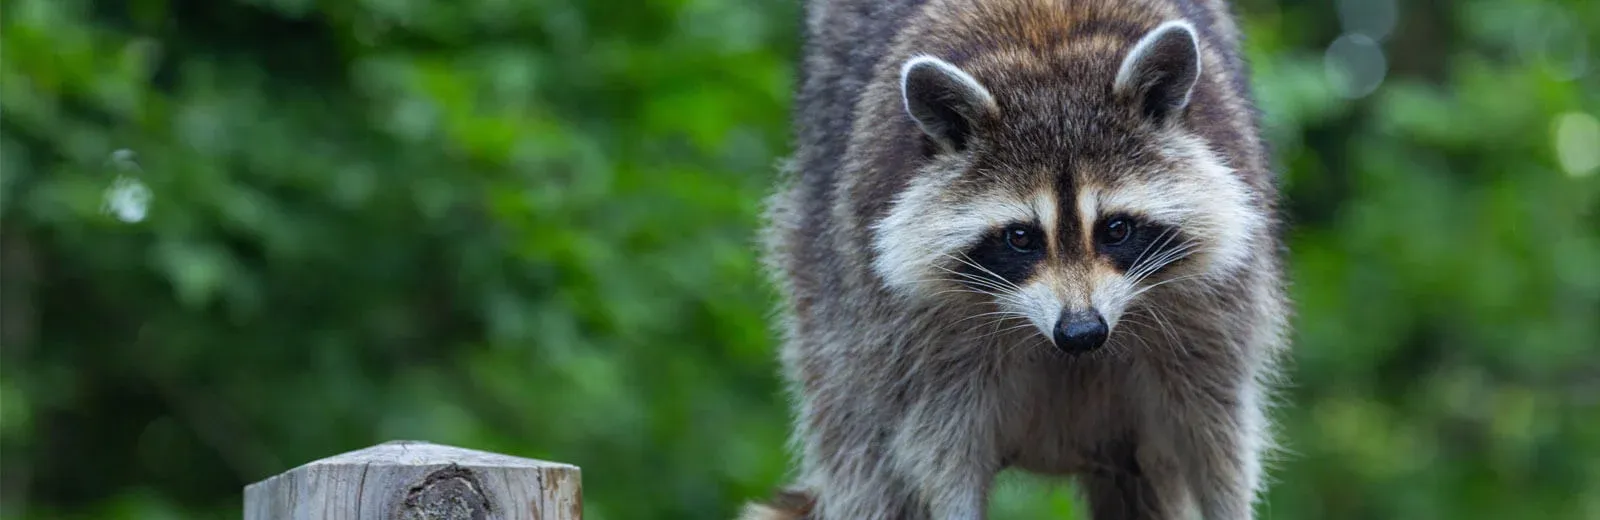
242 235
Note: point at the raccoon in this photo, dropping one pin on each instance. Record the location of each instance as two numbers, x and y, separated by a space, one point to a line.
1031 234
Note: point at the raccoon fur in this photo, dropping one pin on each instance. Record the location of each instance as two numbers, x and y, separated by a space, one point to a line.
1032 234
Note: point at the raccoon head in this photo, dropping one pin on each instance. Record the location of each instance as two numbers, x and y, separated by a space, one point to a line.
1063 188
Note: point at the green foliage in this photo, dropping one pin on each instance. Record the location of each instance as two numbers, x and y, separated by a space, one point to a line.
527 227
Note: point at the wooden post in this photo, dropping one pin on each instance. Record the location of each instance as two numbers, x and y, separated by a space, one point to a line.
410 480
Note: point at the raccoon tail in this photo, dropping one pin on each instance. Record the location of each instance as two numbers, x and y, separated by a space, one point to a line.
788 504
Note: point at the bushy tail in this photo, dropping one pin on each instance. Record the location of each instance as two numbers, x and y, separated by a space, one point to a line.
788 504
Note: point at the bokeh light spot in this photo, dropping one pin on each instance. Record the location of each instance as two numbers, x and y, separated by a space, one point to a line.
1577 141
127 198
1355 65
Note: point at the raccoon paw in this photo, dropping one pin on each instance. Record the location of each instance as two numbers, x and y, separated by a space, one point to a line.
787 505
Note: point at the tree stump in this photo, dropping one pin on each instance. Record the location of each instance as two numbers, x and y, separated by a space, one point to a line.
410 480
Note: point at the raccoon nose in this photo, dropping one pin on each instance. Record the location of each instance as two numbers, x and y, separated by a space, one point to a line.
1080 331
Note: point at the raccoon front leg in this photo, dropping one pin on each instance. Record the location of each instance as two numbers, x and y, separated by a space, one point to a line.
1222 459
957 489
860 490
1214 434
938 487
947 448
848 469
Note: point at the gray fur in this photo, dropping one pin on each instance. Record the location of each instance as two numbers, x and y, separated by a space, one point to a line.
909 400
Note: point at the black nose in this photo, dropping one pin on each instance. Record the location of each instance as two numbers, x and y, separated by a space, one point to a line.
1081 331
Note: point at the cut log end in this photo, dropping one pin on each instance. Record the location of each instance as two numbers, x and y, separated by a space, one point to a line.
452 493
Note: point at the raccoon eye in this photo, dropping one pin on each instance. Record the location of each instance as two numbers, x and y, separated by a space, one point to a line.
1022 239
1115 231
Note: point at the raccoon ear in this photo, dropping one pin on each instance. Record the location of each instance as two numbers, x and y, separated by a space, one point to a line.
1161 70
946 102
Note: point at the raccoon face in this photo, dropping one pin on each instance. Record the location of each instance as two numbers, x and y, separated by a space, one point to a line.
1067 204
